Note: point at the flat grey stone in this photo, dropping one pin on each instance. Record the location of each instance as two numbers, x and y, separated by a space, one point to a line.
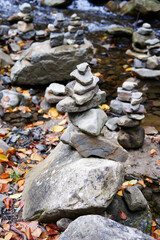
56 89
127 85
135 108
56 39
66 136
137 95
111 124
152 62
145 73
145 31
116 106
75 17
136 101
82 68
81 89
84 185
134 198
86 79
124 95
90 122
146 25
101 228
100 146
128 108
152 41
138 117
139 63
69 104
124 121
51 98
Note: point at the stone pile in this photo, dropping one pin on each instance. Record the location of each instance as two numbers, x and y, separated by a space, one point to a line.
75 33
129 112
25 26
80 168
56 29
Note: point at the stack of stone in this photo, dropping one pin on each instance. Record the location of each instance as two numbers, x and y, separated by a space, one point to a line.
56 29
84 132
25 27
75 32
130 112
53 94
141 36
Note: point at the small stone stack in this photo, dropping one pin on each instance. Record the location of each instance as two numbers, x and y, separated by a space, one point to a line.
57 31
76 33
84 132
130 112
141 36
25 27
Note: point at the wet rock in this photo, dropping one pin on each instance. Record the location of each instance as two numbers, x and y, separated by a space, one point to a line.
51 98
27 35
66 136
150 130
5 59
119 31
126 122
134 198
56 3
147 192
84 79
29 71
63 223
103 228
100 146
141 220
69 105
84 186
131 138
111 124
90 122
140 56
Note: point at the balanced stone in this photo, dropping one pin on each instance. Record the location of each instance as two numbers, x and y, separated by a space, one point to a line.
56 89
136 101
111 124
136 116
124 95
82 68
100 146
25 27
152 62
72 29
136 108
126 122
116 106
90 122
86 79
51 98
25 8
69 104
56 39
66 136
127 85
151 42
79 37
137 95
128 108
146 25
80 89
74 17
144 31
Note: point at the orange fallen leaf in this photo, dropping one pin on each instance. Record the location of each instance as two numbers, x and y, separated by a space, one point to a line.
36 157
141 182
158 162
7 180
21 182
123 215
5 188
8 236
37 232
11 151
6 226
53 113
148 180
23 165
39 123
120 193
4 175
153 152
8 203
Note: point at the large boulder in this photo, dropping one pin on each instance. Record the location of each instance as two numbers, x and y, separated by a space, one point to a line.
100 228
65 185
41 64
56 3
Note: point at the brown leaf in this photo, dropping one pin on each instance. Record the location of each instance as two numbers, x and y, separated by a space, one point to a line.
153 152
123 215
3 158
8 203
6 226
4 175
36 157
5 188
8 236
148 180
37 232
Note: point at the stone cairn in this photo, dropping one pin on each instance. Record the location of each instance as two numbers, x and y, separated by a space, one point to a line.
25 26
129 111
84 132
57 31
75 34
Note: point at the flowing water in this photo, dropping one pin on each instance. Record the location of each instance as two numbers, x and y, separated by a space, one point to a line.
111 61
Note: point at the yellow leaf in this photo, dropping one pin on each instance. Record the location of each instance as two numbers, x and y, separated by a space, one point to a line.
104 107
57 128
133 182
36 157
53 113
15 196
128 69
120 193
8 236
3 158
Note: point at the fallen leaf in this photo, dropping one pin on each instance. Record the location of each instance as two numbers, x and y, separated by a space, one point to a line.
63 122
5 180
53 113
16 195
37 232
148 180
21 182
104 107
11 151
39 123
3 158
158 162
153 152
6 226
8 236
8 203
133 182
36 157
21 155
141 182
128 69
120 193
57 128
5 188
4 175
123 215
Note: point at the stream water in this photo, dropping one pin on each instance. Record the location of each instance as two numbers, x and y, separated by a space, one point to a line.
112 61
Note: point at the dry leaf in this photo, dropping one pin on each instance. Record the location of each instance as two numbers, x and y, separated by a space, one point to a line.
148 180
15 196
123 215
57 128
39 123
8 236
6 226
158 162
21 182
53 113
5 188
104 107
36 157
120 193
4 175
3 158
141 182
153 152
37 232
